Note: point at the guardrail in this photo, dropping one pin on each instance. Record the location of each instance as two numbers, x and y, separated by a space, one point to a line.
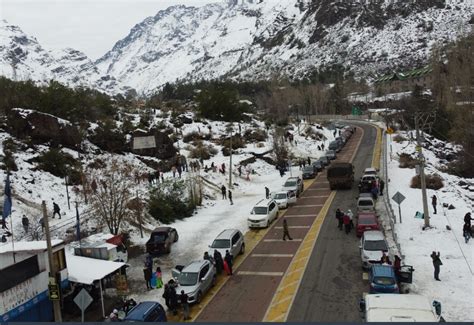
386 196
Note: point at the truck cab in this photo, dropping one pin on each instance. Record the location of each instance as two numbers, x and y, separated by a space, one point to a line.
340 175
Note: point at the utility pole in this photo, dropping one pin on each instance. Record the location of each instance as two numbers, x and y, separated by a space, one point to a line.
139 215
52 267
67 192
421 160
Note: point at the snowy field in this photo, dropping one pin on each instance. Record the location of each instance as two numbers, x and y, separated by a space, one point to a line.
455 290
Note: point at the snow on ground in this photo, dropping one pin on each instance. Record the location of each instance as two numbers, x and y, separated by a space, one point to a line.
455 290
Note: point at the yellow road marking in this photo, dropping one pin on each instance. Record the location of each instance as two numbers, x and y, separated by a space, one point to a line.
365 276
377 149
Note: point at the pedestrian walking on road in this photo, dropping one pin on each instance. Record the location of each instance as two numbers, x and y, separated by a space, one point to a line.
436 263
466 232
228 261
339 216
467 218
147 276
183 297
240 170
56 209
286 232
434 201
309 161
219 262
267 192
224 191
351 217
347 223
381 186
229 194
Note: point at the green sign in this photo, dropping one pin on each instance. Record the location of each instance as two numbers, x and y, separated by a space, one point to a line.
53 291
356 110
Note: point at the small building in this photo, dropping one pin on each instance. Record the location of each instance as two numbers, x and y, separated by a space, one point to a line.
24 279
405 81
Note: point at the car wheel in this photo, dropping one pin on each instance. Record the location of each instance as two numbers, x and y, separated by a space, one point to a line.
242 249
199 297
214 281
268 223
176 238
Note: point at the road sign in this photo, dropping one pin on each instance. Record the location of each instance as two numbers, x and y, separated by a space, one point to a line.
389 131
398 197
83 300
53 290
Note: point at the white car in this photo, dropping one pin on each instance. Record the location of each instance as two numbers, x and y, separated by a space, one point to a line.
294 184
370 171
263 213
284 198
372 246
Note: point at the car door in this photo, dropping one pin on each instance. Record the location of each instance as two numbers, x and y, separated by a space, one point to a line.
204 275
273 211
291 197
235 248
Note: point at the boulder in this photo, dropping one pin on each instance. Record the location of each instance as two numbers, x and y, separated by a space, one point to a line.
42 128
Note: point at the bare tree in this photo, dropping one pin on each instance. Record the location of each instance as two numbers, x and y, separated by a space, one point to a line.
110 198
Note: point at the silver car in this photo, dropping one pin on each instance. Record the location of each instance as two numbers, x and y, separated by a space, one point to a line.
294 184
231 240
195 279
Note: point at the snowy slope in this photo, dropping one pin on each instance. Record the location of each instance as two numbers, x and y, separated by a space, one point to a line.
23 58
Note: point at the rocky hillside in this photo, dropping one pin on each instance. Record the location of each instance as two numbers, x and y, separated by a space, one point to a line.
253 39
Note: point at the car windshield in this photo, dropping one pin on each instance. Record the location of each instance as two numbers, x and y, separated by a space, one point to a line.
382 280
280 196
309 169
366 221
290 184
221 243
259 210
366 203
375 245
188 278
330 152
159 237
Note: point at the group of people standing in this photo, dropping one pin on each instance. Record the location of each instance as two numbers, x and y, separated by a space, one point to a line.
221 264
345 219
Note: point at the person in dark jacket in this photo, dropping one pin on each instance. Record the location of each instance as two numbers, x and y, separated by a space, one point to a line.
381 186
219 261
466 232
224 192
229 195
339 216
183 297
166 295
346 220
208 258
436 263
173 300
25 222
56 209
434 201
147 276
286 232
267 192
397 264
467 218
229 259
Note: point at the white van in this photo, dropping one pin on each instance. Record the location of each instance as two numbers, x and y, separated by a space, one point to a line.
392 307
365 203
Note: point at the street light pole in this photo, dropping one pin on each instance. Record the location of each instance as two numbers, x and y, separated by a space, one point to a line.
421 160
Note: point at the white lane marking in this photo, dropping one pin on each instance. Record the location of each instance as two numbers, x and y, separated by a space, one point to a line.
277 240
299 215
295 227
314 196
308 205
272 255
260 273
319 189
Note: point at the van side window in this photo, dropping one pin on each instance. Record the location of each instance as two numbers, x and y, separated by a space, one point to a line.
272 206
153 315
204 271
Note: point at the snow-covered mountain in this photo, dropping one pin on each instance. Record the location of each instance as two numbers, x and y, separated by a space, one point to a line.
251 39
261 39
22 58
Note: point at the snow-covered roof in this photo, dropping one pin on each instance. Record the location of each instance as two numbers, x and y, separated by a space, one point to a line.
398 308
22 246
86 270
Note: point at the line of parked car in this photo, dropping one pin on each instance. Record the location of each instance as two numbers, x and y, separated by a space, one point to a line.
383 277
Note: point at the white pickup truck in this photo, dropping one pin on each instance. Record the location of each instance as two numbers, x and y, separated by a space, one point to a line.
400 308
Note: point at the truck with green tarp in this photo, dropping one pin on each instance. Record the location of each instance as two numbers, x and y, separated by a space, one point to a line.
340 176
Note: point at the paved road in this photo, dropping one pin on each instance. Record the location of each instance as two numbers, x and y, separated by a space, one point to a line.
245 297
332 284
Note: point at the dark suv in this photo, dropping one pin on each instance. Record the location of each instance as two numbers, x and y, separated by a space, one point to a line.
147 311
161 240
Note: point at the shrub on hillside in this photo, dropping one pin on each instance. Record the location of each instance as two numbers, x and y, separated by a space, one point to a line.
399 138
169 203
201 150
255 135
433 182
407 161
59 164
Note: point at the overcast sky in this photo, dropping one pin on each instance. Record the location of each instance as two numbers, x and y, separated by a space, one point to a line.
91 26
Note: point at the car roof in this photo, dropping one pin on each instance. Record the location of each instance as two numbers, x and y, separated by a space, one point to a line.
226 233
373 235
264 203
140 311
293 178
367 215
162 229
370 169
194 266
308 167
382 270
